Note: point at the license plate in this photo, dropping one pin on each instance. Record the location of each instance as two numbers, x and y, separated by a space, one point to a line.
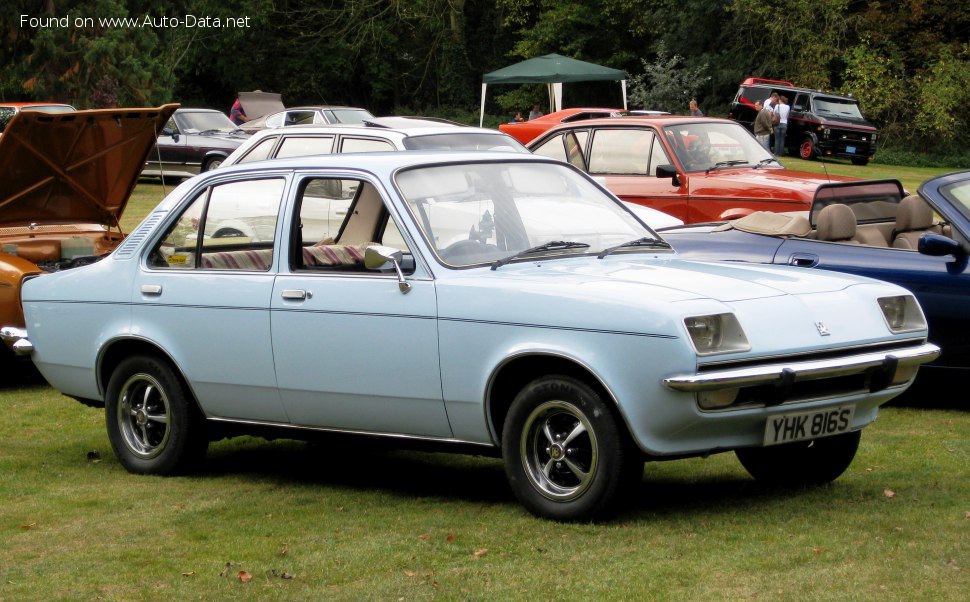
850 149
785 428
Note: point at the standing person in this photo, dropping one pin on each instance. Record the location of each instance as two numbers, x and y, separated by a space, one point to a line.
772 101
694 109
236 114
762 125
536 112
781 129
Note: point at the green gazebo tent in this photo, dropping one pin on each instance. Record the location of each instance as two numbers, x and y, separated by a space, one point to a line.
552 70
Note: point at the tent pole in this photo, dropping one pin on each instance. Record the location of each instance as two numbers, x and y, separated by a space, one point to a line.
623 88
481 112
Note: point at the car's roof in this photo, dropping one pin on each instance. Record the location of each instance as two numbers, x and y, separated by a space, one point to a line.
634 120
26 104
370 130
778 87
319 108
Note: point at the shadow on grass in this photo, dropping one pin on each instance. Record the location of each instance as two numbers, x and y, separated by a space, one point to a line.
367 467
16 373
935 389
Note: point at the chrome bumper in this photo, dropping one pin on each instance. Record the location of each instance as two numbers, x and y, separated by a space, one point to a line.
886 362
16 339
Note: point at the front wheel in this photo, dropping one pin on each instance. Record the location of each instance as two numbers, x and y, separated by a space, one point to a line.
153 423
801 463
212 163
567 456
807 149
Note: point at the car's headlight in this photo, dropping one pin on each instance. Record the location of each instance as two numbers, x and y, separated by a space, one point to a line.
716 333
902 313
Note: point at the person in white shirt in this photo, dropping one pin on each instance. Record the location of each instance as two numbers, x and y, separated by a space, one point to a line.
781 128
771 102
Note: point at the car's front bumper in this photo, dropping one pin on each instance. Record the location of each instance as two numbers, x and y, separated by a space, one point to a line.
16 339
883 367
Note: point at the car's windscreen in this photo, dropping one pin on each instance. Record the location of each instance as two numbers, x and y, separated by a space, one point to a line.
479 213
837 107
958 194
464 141
195 123
703 146
350 115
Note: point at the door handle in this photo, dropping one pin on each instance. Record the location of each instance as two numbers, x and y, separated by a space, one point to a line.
296 294
803 260
151 289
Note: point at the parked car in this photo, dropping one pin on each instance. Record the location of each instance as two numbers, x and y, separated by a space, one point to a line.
575 346
527 131
9 109
319 115
387 134
697 169
820 124
193 141
66 180
920 242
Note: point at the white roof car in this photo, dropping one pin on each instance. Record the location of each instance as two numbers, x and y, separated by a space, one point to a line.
376 134
388 134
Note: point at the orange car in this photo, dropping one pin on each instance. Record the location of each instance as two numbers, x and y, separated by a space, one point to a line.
66 180
697 169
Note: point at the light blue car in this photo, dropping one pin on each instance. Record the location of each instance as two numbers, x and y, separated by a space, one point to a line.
501 302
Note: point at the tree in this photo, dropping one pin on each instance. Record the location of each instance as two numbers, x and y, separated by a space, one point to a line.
665 84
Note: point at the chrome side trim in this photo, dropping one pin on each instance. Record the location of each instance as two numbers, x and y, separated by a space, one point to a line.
779 373
16 339
323 429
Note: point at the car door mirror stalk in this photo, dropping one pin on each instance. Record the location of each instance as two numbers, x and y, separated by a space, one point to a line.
376 256
938 245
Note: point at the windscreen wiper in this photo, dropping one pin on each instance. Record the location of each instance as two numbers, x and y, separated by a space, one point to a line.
726 164
766 161
646 241
554 245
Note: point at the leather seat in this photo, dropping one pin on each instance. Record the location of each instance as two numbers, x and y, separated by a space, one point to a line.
913 218
837 223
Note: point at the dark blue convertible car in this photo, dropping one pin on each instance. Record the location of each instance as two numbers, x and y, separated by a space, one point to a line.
872 228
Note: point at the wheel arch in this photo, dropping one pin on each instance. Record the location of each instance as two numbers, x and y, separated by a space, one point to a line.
121 349
517 371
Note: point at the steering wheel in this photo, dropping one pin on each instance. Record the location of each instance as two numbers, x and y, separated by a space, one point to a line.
463 248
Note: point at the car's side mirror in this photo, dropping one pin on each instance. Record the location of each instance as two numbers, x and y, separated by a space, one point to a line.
376 256
668 171
938 245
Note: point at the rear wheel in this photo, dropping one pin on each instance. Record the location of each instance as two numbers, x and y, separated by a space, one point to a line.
567 456
807 149
153 423
802 463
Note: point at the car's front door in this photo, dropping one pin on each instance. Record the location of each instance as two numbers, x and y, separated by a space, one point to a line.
940 284
353 351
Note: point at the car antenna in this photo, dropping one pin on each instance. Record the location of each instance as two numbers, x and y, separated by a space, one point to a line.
826 170
161 170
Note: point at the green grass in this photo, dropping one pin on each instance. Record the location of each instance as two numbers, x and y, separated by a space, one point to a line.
357 523
911 177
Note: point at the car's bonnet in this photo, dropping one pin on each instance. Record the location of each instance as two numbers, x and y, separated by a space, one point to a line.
74 167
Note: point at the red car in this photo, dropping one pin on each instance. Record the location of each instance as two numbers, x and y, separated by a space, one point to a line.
527 131
697 169
9 109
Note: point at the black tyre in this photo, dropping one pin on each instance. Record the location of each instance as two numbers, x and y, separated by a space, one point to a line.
860 161
807 150
801 463
567 455
212 163
153 424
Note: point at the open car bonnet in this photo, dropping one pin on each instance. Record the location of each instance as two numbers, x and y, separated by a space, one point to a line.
258 104
74 167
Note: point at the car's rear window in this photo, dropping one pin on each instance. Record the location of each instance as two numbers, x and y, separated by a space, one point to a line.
464 141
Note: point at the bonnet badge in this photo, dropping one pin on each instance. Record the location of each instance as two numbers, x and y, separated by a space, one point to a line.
823 330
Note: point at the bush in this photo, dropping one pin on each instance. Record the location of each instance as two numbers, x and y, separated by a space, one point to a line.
946 158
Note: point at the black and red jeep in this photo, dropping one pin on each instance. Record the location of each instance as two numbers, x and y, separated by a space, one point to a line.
821 124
